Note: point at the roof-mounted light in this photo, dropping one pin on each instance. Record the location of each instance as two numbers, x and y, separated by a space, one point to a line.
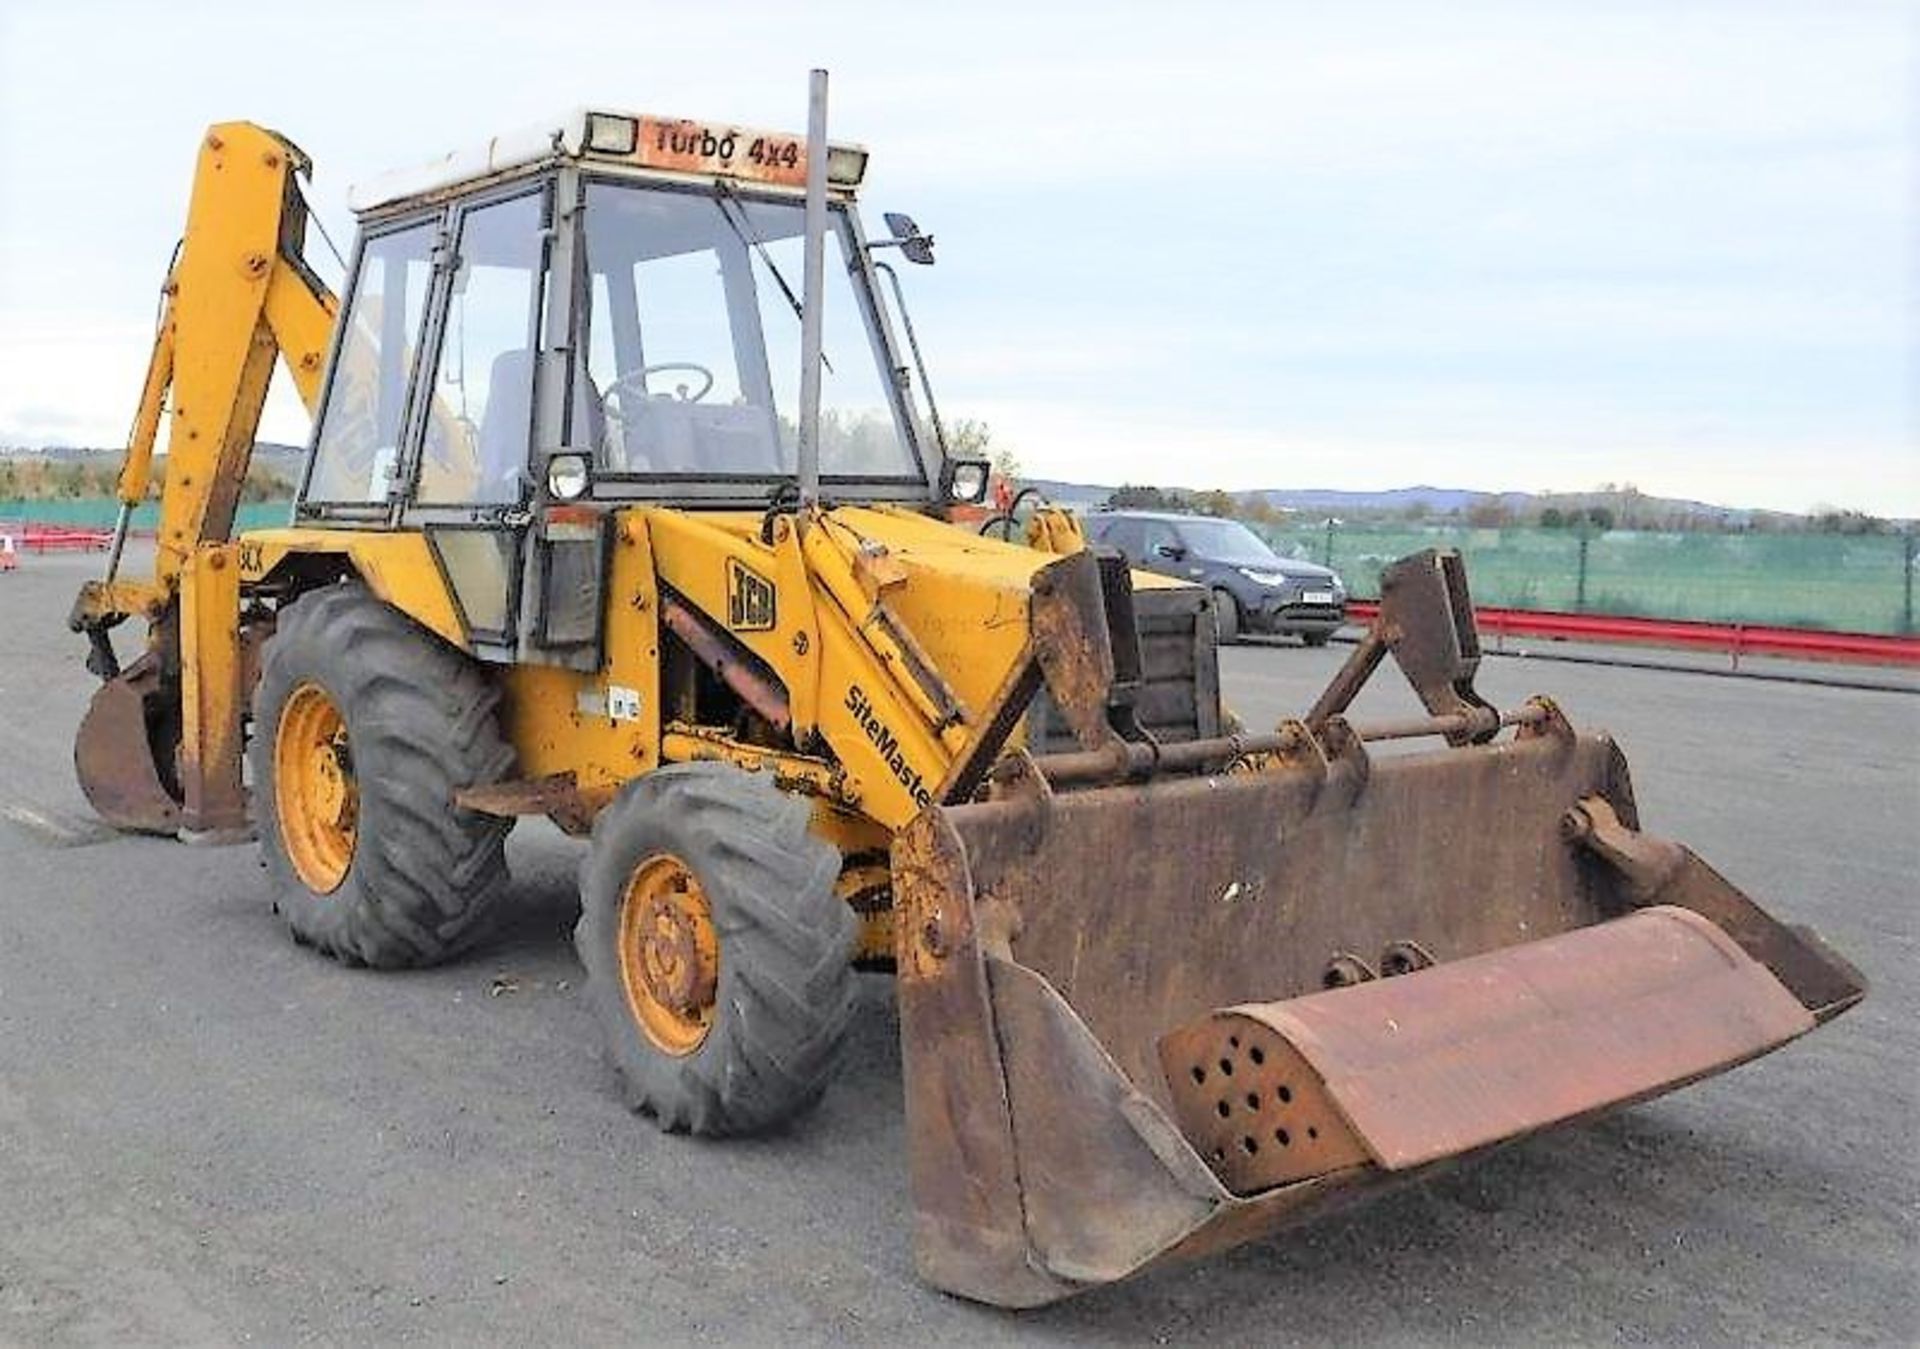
846 165
611 134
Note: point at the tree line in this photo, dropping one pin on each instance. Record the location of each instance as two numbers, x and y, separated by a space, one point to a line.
34 478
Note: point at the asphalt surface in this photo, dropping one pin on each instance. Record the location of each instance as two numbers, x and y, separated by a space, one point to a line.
208 1135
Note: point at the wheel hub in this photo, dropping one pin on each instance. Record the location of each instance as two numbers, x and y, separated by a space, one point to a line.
316 793
669 953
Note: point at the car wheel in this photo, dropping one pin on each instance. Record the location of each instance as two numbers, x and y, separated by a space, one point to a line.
1226 618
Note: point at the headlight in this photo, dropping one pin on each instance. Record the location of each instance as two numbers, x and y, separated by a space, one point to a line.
1339 586
567 476
1265 578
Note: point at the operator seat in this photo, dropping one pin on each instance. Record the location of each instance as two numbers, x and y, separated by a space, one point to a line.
507 424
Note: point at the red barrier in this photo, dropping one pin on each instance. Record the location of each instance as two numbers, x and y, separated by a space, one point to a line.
1736 639
39 538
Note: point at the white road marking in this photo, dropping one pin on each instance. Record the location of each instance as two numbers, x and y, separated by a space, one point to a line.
46 826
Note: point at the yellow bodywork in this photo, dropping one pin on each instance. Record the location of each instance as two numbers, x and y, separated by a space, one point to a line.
889 632
397 566
240 317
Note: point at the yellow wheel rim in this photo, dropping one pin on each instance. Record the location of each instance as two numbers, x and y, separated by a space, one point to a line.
315 793
669 953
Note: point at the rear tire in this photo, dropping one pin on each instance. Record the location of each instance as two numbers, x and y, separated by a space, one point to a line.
709 862
1226 618
388 872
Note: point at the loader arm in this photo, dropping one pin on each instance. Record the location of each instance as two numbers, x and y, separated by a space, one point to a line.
239 293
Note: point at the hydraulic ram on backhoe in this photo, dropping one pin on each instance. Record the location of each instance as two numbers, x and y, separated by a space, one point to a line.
1164 985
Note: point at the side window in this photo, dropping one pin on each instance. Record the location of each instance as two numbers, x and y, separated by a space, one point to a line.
1159 535
480 419
1125 536
357 449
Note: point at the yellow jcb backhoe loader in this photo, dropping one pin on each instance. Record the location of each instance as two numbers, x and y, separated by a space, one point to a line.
624 506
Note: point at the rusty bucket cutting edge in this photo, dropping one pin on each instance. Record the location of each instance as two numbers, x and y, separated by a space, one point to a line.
114 756
1048 947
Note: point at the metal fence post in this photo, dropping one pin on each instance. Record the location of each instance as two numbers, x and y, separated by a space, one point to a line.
1907 557
1580 586
1327 558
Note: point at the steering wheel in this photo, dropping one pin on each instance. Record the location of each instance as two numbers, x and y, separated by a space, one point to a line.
636 382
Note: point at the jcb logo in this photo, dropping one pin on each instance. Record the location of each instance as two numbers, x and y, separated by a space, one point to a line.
749 599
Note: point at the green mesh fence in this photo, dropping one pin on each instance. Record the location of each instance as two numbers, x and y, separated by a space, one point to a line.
1848 583
99 513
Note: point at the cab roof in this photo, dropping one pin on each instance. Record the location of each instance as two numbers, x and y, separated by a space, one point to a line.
670 146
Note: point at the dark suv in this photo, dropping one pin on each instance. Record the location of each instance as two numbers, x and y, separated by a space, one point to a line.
1254 588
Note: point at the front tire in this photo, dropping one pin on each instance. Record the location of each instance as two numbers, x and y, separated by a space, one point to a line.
718 955
1226 618
1315 638
364 726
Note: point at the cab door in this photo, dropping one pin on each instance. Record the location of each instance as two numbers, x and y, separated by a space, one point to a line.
354 469
473 414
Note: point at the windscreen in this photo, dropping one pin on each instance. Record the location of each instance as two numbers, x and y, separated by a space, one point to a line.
1226 541
690 352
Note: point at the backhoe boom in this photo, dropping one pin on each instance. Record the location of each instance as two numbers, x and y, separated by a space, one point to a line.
239 293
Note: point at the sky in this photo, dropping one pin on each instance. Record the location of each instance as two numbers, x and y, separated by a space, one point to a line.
1509 246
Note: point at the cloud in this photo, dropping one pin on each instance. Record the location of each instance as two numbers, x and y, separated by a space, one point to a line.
1328 243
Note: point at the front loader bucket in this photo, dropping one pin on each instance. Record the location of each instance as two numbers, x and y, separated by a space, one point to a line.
1149 1020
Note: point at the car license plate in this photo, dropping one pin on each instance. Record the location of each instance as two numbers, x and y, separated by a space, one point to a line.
1318 597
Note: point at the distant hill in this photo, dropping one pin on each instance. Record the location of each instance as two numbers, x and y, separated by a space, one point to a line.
1437 501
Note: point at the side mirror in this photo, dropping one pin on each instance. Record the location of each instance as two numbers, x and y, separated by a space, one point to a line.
913 245
968 479
1172 552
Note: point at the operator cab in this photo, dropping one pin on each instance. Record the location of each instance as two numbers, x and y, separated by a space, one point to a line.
604 310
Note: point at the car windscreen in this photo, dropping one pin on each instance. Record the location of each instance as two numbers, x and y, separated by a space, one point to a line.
1226 541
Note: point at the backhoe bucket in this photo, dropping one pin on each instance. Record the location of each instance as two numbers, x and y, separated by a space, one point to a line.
123 752
1150 1019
